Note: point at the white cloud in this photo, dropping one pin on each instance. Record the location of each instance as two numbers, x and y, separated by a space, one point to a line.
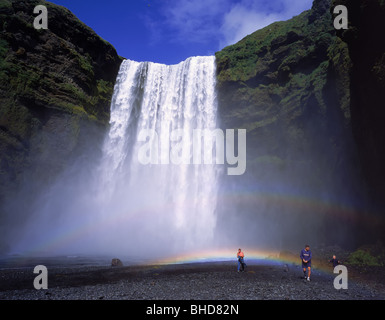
247 16
240 22
194 20
222 22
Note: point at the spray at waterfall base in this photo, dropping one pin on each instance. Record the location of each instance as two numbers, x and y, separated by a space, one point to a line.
159 187
116 205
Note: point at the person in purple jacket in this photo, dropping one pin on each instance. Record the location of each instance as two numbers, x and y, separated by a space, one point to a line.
306 261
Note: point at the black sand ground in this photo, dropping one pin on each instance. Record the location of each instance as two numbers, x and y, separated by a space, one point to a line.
194 281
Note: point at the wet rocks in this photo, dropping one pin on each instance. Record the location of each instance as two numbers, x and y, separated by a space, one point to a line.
116 263
197 281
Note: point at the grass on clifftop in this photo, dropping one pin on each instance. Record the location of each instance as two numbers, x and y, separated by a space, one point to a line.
48 68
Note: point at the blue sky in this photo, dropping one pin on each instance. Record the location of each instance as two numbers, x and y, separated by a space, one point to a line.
169 31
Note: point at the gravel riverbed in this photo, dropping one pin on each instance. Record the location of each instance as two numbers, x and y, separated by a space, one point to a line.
193 281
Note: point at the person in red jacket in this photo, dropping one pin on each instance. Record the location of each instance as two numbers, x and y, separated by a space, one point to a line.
241 263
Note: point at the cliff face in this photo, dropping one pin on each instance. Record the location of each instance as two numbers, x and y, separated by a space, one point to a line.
292 85
367 51
285 84
55 90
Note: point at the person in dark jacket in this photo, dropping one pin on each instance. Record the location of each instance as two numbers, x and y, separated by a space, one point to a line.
335 261
305 256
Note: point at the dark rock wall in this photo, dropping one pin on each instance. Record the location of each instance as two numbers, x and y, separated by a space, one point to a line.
365 39
55 91
314 124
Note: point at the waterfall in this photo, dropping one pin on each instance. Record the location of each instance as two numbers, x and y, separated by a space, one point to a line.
161 202
144 195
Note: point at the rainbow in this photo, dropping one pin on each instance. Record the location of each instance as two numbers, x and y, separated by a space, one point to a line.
253 256
216 255
303 204
57 240
226 254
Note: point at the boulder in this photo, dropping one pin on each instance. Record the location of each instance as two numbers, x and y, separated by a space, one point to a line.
116 263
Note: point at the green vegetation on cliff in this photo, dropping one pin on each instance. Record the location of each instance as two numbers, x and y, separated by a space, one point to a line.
54 84
67 67
289 85
275 71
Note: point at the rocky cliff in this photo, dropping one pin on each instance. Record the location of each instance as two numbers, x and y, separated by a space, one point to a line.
298 89
288 84
55 90
364 38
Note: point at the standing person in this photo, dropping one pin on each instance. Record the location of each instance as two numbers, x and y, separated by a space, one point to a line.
306 261
241 263
335 261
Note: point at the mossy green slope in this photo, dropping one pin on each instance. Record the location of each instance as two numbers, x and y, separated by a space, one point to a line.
54 84
288 84
274 72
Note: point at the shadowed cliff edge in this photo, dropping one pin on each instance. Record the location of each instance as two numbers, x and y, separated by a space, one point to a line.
55 88
55 92
312 109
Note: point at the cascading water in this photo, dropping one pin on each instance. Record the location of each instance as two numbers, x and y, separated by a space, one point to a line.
146 196
162 203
